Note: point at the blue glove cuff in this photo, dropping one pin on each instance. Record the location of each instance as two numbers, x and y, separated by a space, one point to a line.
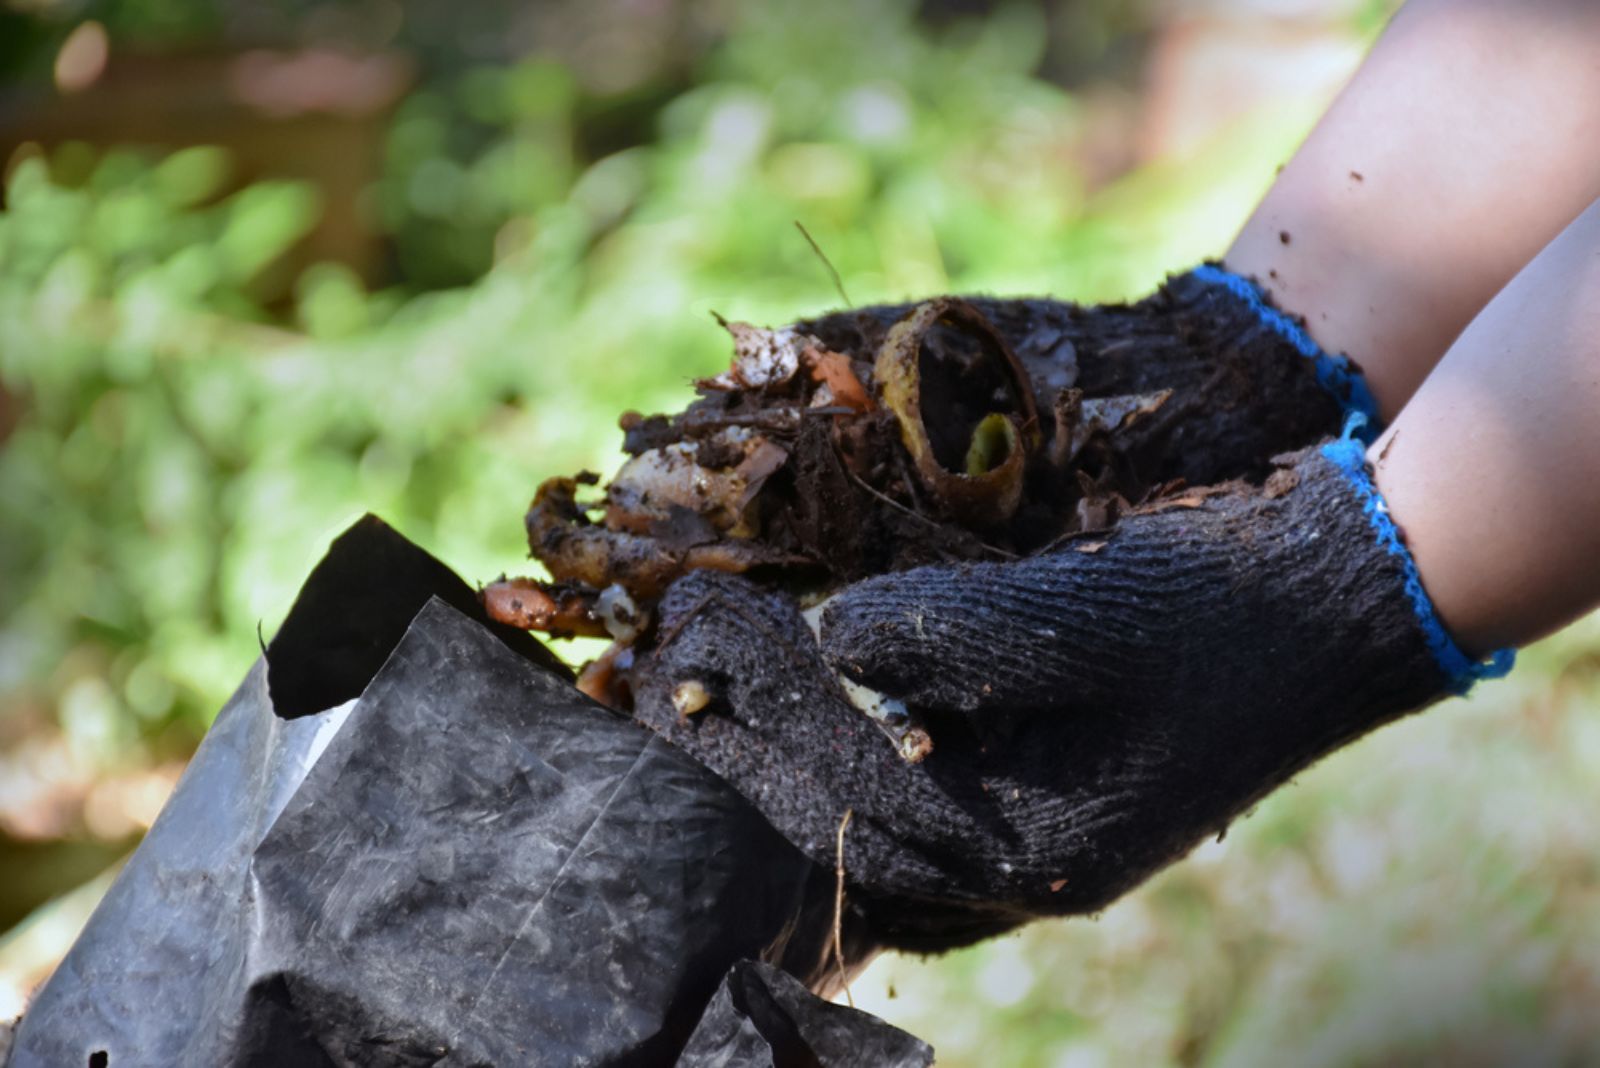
1349 454
1336 374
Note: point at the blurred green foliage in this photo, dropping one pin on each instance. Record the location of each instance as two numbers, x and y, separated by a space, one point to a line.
491 145
184 453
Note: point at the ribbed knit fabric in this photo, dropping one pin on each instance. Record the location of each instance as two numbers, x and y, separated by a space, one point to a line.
1349 455
1125 698
1335 373
1245 387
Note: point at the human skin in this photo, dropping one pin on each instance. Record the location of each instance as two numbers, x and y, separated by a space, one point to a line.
1493 467
1463 145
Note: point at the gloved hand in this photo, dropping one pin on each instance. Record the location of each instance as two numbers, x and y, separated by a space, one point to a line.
1248 382
1095 712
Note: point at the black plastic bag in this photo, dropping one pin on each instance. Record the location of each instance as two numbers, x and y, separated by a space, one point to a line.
764 1018
407 840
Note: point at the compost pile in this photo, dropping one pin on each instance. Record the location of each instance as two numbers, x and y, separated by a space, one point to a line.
810 464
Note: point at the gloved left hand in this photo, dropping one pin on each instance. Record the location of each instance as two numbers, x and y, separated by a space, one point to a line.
1095 712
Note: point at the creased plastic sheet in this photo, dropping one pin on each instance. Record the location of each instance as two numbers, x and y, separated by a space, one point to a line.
765 1018
458 860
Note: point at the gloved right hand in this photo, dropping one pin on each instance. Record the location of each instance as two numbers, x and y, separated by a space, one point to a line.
1095 710
1248 382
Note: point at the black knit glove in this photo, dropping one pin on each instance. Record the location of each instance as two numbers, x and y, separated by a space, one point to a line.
1124 697
1248 382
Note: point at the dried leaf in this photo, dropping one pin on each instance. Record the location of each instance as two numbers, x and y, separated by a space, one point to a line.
1103 416
1052 356
1095 514
765 460
838 377
762 358
1188 500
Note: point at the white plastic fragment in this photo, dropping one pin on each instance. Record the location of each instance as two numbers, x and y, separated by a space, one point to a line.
619 613
910 741
879 706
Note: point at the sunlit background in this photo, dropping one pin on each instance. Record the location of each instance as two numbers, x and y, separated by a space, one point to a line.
268 264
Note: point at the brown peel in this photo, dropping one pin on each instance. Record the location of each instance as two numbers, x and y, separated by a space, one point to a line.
605 678
991 496
530 605
581 553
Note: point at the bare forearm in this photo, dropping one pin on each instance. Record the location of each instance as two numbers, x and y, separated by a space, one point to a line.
1493 469
1466 141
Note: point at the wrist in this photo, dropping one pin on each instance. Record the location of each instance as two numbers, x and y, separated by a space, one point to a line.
1441 533
1460 660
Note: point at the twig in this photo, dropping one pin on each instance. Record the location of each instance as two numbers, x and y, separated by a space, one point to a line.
1383 454
903 464
891 502
838 908
838 283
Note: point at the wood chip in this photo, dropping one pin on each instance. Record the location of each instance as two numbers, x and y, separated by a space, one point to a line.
1280 482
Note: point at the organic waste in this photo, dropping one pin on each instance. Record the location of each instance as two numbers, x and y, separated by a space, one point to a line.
828 452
